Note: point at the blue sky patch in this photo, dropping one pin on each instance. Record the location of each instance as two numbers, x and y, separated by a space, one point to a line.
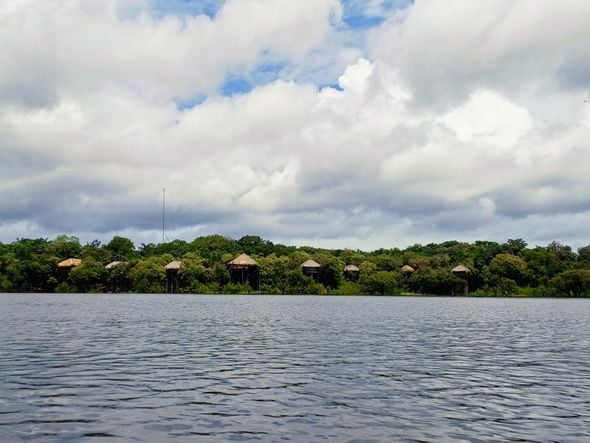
335 86
236 85
362 21
190 103
186 7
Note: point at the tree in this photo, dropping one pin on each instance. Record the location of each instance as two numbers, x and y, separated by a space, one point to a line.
149 276
194 277
380 283
509 266
213 247
563 252
221 276
331 270
65 246
584 254
435 281
120 248
119 279
90 276
23 248
573 283
514 246
299 283
273 271
254 245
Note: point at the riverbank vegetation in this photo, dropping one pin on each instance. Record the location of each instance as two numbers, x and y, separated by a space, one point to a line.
496 269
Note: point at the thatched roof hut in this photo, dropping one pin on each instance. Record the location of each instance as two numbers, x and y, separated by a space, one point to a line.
407 269
461 270
113 264
174 265
311 268
244 270
69 263
242 260
352 272
172 276
312 264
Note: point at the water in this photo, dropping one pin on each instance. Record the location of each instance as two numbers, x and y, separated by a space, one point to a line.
247 368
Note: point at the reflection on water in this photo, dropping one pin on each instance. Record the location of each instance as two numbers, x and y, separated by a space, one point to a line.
211 368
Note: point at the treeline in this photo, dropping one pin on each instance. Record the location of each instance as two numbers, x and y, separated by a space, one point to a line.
496 269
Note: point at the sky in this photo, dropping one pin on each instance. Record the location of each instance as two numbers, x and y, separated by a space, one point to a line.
342 124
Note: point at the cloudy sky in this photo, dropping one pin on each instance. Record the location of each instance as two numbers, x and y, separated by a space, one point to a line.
351 123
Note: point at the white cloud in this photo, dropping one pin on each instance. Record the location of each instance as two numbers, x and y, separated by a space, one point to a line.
55 48
461 121
490 119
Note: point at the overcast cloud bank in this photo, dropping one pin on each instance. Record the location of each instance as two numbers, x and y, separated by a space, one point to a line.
443 120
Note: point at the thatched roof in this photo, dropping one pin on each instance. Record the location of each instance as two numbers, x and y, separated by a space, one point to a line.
407 269
113 264
243 260
69 263
460 269
351 268
174 265
310 264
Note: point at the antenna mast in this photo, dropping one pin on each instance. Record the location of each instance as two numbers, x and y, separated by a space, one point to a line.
163 215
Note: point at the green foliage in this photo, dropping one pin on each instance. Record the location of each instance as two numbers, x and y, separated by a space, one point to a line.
120 249
380 283
298 283
65 247
349 288
510 267
273 273
331 271
584 254
435 281
501 286
63 288
94 252
194 276
213 247
574 283
221 276
515 246
30 265
90 276
254 245
119 278
148 276
234 288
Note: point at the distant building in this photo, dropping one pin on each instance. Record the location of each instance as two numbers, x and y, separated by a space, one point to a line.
69 263
407 270
463 273
172 269
351 272
244 271
113 264
311 268
65 266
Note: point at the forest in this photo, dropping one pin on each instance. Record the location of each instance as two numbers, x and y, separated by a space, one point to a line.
496 269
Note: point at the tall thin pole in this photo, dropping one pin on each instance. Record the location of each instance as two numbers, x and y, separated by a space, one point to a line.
163 215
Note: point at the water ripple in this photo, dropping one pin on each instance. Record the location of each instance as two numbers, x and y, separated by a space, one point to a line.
243 368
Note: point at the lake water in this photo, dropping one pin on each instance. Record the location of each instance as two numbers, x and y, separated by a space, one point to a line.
284 368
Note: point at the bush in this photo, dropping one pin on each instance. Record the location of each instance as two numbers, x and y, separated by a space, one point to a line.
574 283
434 281
380 283
235 288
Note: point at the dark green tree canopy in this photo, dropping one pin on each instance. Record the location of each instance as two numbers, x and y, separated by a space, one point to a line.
511 268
